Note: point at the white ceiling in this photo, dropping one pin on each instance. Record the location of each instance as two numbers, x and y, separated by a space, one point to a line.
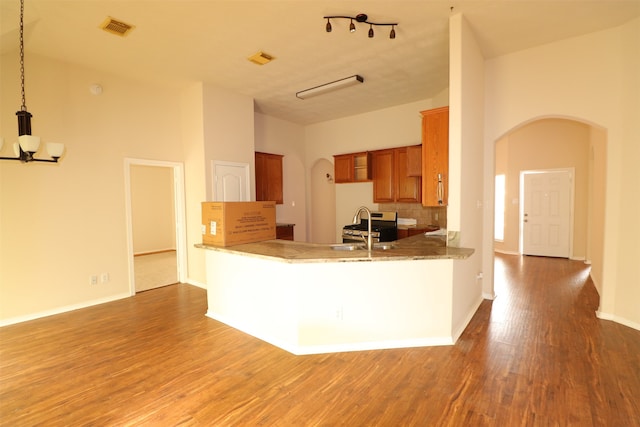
178 41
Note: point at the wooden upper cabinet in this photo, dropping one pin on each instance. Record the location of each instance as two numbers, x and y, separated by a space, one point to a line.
383 176
390 180
435 156
269 177
408 188
414 160
352 167
343 168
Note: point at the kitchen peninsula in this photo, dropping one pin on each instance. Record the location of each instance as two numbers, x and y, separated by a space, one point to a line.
317 298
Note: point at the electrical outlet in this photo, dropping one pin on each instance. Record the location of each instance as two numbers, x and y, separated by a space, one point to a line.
104 277
93 280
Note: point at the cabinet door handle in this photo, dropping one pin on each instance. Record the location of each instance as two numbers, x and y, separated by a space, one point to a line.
440 190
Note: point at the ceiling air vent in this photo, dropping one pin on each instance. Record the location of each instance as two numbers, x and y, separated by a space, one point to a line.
114 26
260 58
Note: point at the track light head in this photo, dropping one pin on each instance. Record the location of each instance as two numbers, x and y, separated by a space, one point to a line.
370 31
352 27
392 34
328 27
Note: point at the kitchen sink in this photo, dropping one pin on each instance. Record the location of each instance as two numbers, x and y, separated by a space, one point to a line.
348 246
361 246
383 246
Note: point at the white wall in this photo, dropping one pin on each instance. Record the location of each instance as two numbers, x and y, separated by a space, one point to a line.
594 78
465 210
279 136
228 120
152 209
192 137
61 223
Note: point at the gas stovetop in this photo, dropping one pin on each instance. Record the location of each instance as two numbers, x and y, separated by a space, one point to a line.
384 226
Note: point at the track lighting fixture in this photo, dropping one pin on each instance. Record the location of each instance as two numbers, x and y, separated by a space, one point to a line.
28 144
363 18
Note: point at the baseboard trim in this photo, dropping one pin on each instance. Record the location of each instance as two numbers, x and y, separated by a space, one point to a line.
612 317
506 252
60 310
468 318
333 348
161 251
196 283
489 297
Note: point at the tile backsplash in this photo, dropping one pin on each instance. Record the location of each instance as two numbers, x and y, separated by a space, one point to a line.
423 215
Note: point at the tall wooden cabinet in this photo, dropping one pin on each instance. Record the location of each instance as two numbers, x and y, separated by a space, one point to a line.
435 156
269 177
391 180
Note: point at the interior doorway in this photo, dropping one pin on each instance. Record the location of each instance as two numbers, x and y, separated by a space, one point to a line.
546 213
156 237
546 144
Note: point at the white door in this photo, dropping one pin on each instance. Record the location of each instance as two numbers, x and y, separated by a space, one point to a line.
230 182
546 213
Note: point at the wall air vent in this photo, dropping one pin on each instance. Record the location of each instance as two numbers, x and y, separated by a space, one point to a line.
261 58
114 26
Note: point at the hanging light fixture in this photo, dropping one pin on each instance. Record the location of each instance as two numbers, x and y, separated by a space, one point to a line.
28 144
363 18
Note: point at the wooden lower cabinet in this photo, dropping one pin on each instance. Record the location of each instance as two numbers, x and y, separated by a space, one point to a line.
408 232
284 231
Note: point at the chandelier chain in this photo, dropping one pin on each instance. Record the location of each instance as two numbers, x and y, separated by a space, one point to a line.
24 103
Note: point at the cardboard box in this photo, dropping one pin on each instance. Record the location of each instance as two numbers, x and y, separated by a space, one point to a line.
235 223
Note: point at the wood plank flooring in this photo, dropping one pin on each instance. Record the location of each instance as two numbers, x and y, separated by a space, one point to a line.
536 356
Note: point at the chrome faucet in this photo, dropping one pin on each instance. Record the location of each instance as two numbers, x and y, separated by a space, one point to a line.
356 220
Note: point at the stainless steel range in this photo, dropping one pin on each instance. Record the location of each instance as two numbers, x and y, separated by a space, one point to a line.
384 228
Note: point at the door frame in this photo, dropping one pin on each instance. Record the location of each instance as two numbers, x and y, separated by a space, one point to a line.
572 190
179 213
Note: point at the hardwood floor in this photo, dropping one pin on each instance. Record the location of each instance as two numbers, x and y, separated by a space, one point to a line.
536 356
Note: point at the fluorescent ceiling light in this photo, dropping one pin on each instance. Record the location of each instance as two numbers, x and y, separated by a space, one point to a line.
328 87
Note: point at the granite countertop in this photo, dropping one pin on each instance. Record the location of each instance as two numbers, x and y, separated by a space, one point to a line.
429 227
417 247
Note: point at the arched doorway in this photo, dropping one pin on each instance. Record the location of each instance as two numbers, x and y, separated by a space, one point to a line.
554 143
322 221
